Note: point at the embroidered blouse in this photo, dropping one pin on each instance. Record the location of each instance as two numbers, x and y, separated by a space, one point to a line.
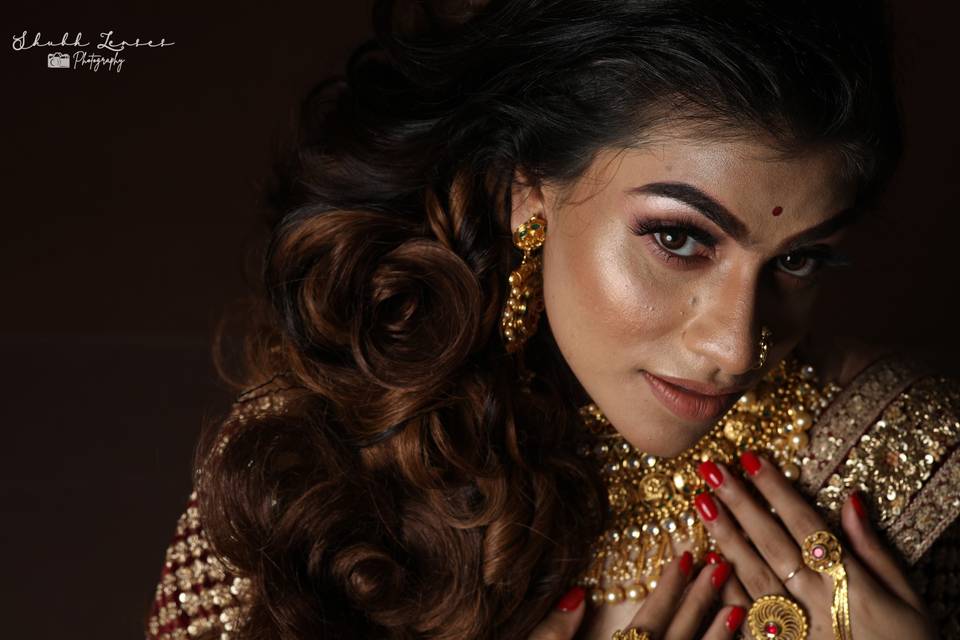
893 432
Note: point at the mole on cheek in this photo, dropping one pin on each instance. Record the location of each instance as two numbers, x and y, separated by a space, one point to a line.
777 211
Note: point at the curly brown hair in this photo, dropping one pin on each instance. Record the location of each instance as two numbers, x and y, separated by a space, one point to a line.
409 488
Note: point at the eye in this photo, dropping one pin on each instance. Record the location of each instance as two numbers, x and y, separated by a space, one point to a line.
677 241
807 263
799 265
673 240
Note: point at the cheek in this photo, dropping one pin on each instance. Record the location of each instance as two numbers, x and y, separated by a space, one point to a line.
793 314
793 311
601 297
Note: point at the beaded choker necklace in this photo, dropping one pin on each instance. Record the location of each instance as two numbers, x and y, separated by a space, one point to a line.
651 499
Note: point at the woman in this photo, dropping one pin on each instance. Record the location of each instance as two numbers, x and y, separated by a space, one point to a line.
534 351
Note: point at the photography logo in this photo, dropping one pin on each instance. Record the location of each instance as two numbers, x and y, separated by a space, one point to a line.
73 51
58 61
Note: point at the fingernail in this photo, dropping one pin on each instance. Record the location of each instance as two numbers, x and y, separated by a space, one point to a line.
750 462
571 600
710 472
713 557
686 563
858 505
720 575
706 506
735 619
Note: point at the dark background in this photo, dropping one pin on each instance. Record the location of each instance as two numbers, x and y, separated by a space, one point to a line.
129 201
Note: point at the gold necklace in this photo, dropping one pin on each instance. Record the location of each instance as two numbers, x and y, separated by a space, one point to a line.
650 499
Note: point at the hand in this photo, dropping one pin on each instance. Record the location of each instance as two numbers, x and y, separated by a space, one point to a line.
675 610
882 602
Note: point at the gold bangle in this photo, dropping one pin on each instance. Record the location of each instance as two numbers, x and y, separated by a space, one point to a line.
630 634
777 617
822 553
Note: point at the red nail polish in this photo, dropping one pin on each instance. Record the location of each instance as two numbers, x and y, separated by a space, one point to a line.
720 575
686 563
735 619
713 557
858 505
710 472
706 506
750 462
571 600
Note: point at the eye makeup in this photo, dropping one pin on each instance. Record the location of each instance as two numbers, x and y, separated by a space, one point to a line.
825 256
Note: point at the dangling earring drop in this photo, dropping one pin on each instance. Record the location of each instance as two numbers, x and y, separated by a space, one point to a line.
521 313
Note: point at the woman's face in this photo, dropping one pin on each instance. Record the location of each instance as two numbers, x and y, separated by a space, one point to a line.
625 299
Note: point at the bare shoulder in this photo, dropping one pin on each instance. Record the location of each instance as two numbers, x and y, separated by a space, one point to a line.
841 359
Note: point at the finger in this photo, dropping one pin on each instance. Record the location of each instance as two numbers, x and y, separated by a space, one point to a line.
794 511
563 621
753 571
797 515
735 593
698 600
873 552
732 591
726 623
776 546
658 607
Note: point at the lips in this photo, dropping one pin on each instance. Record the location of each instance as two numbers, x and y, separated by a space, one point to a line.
689 405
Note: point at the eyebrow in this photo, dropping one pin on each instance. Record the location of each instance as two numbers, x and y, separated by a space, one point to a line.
734 227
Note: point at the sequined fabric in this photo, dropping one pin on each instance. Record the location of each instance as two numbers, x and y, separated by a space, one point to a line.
893 433
198 596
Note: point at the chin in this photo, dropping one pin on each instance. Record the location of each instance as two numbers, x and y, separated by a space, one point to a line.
667 440
664 424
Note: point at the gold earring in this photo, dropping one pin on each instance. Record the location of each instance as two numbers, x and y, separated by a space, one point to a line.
518 320
765 335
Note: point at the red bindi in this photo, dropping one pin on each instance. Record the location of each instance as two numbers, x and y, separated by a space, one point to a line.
777 211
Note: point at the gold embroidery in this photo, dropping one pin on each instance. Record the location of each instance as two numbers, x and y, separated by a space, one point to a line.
851 412
901 464
196 594
199 595
932 511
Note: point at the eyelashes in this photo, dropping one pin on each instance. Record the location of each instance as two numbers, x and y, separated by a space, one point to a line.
823 256
642 228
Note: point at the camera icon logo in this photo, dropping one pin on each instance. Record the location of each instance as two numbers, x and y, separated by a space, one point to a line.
58 61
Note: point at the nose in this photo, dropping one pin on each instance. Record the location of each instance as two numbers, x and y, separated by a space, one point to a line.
723 329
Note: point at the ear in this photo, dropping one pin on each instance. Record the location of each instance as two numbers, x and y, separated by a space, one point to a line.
526 200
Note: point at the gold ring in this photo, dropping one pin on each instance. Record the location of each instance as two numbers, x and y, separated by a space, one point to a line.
630 634
791 574
822 553
776 617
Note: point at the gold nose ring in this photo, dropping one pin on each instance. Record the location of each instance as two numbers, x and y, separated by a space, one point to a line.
765 335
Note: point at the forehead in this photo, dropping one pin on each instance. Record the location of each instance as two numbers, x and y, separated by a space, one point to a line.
746 174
